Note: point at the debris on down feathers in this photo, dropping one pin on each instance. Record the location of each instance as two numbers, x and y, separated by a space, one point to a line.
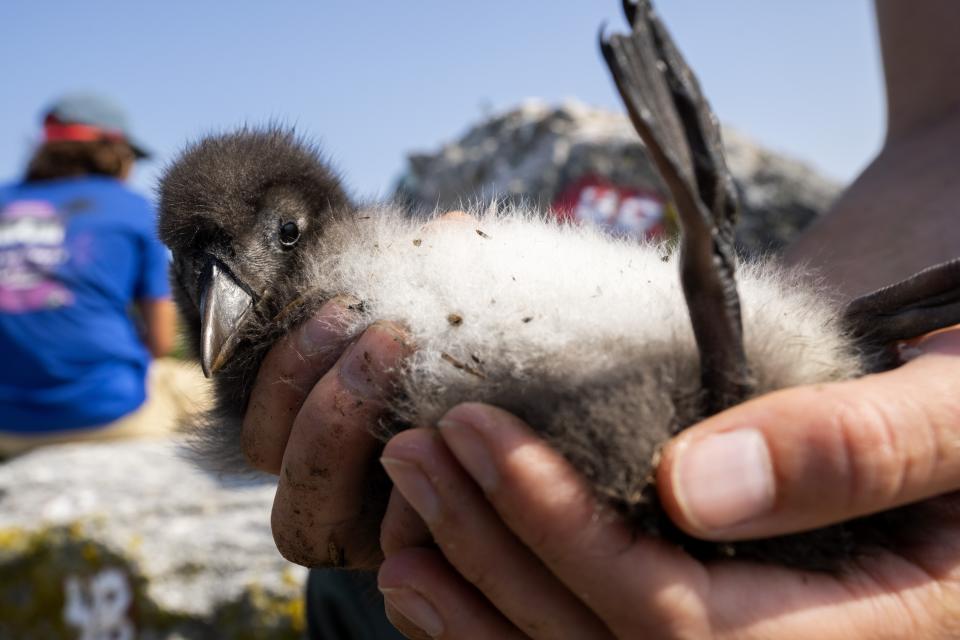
585 336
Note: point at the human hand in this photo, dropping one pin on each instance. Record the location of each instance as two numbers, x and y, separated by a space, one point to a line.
309 421
526 551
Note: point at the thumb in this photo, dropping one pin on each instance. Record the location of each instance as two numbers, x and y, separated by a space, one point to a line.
807 457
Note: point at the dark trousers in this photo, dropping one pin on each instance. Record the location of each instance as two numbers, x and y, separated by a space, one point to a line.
345 605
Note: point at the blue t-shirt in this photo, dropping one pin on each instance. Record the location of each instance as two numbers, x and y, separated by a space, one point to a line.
74 254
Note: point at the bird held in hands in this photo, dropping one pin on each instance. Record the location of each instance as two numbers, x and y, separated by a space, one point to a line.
606 346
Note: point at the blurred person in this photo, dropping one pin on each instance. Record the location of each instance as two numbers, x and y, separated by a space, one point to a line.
84 298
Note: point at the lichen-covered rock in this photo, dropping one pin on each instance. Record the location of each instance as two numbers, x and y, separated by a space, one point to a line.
128 540
539 153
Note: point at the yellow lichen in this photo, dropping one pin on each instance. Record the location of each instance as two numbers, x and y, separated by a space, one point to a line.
34 566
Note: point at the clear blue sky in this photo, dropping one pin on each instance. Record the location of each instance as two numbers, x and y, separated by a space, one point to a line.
376 79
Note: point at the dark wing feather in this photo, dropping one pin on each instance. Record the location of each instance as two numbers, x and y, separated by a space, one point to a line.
925 302
682 137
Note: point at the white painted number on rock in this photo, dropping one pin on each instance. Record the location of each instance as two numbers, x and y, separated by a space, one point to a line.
98 606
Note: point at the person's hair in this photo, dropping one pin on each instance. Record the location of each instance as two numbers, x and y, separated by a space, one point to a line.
68 158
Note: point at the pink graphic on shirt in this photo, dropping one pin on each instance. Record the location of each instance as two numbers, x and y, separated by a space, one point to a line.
31 249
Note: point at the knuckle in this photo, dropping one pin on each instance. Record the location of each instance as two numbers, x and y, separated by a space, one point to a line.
898 447
873 451
932 430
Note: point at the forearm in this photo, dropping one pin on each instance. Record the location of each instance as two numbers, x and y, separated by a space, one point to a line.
900 215
921 60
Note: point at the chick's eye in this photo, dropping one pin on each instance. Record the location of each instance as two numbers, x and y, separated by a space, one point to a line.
289 234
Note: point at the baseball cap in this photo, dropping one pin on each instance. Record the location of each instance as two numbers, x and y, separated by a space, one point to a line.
89 116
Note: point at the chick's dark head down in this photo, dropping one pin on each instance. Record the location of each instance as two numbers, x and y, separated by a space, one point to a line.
240 211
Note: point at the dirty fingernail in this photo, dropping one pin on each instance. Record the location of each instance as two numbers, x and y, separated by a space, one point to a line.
356 371
327 327
414 486
416 609
363 369
725 479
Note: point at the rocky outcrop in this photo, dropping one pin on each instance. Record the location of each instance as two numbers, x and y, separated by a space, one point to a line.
547 155
780 195
129 540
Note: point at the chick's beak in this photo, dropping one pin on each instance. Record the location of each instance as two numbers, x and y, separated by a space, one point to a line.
224 306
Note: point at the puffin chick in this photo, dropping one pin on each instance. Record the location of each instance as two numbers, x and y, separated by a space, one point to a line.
584 336
592 340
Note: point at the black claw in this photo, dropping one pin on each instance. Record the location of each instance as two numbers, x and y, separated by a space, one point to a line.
602 38
630 8
925 302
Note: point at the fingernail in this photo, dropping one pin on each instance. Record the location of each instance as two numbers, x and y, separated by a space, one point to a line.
326 328
358 370
416 609
470 449
725 479
414 486
316 335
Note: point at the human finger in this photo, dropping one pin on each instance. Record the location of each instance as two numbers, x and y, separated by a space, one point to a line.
426 598
331 493
812 456
638 586
475 541
284 379
402 526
